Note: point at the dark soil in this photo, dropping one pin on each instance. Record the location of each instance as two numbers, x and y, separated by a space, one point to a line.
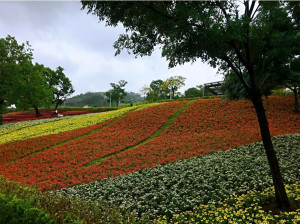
272 206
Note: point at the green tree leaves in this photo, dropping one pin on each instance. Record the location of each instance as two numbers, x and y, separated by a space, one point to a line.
117 93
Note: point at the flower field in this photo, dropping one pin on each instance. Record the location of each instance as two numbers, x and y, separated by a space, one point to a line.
240 209
16 150
30 115
47 127
205 126
158 160
58 167
177 187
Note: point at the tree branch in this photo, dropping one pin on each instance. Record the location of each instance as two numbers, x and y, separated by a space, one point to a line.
238 53
236 71
251 8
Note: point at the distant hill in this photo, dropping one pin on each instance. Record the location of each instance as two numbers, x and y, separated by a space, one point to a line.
97 99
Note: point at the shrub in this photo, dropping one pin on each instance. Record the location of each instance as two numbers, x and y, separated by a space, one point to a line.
20 204
18 211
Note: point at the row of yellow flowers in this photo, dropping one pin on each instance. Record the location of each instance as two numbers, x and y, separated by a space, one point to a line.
31 129
242 209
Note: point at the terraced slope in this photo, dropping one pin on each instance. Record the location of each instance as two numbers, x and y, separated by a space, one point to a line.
134 140
173 188
204 126
60 165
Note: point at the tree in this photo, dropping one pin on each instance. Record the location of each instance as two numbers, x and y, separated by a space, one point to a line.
117 92
156 92
61 84
193 92
12 56
252 40
35 90
293 82
174 83
155 84
290 78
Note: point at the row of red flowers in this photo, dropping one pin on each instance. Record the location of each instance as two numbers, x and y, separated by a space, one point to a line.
19 149
55 165
30 115
207 125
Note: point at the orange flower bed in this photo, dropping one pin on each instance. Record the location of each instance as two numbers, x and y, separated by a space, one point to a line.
205 126
54 168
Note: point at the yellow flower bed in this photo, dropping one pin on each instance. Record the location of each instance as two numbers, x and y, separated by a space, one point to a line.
33 129
243 209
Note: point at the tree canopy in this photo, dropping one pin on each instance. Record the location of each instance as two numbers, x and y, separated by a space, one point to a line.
173 84
61 84
254 40
35 90
193 92
117 93
12 56
26 84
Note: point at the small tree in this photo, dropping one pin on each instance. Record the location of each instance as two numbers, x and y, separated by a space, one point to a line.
156 90
193 92
61 84
293 82
174 83
117 93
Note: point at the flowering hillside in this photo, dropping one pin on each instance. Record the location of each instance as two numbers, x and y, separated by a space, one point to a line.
58 166
125 144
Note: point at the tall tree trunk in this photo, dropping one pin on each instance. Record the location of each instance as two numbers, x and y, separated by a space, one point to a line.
296 105
37 112
56 106
280 193
1 111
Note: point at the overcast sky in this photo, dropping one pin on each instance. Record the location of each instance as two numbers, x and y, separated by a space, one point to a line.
62 34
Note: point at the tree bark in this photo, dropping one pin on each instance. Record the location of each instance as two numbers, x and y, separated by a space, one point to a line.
296 105
56 106
1 111
37 112
280 193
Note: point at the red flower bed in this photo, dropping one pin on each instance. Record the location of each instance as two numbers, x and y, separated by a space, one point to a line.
30 115
207 125
19 149
52 169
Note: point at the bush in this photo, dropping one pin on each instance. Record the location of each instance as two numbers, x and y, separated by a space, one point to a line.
20 204
282 92
18 211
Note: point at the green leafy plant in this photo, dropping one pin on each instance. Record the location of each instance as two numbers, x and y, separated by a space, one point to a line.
17 211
